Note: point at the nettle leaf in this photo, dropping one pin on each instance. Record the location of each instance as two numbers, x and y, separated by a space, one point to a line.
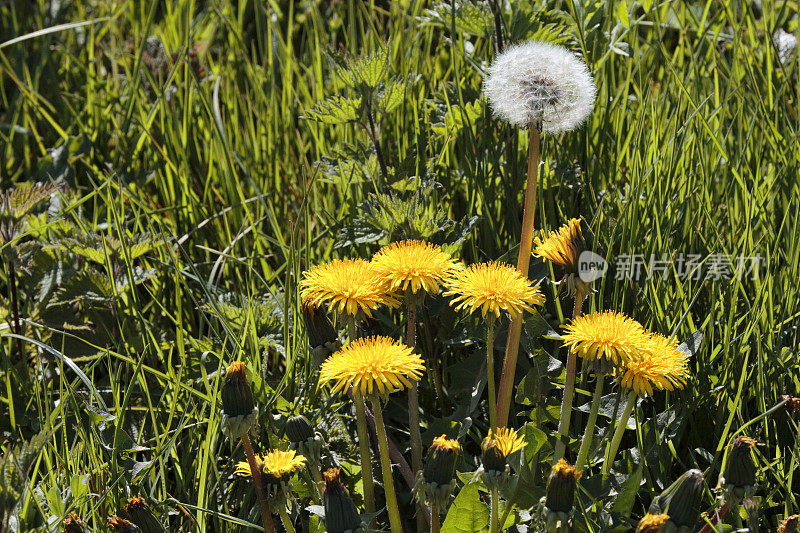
470 18
391 96
336 110
25 197
455 118
87 286
368 70
467 514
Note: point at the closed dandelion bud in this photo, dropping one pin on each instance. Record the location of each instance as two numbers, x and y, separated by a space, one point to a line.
561 487
74 524
138 512
120 524
303 438
492 457
239 413
653 523
436 481
341 515
323 340
681 500
789 525
739 476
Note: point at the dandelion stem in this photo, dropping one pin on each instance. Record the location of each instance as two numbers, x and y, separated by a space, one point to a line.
490 372
386 468
611 451
494 520
287 521
589 431
266 514
569 388
318 481
714 520
523 260
413 401
363 435
12 283
435 524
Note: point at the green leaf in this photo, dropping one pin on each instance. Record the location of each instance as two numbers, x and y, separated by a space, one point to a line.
624 501
335 110
368 70
622 12
468 514
391 96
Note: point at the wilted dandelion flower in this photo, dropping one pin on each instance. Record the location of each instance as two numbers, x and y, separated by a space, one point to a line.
492 288
341 515
738 478
652 523
372 364
560 495
789 524
138 512
662 366
436 481
540 84
239 412
277 465
413 265
116 523
682 500
608 336
348 285
74 523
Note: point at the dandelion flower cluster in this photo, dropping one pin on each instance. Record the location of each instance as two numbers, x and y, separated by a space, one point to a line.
562 247
277 464
506 441
607 335
492 288
541 84
348 285
413 265
372 364
662 366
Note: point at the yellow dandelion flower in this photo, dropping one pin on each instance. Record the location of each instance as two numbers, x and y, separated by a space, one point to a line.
276 463
348 285
565 470
606 335
413 265
663 366
443 443
652 523
507 441
372 364
562 247
492 288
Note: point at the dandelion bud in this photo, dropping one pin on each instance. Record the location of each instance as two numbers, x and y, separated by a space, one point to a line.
341 515
303 439
792 404
561 490
240 414
322 337
436 481
495 452
120 524
739 476
681 500
789 525
138 512
74 524
652 523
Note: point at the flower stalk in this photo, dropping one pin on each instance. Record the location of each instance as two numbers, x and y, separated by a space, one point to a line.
363 435
569 387
386 467
413 399
490 319
255 471
613 446
523 261
586 442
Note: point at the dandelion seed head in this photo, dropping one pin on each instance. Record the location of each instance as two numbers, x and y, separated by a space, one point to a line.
542 84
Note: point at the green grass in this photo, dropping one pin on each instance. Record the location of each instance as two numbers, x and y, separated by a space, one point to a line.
692 148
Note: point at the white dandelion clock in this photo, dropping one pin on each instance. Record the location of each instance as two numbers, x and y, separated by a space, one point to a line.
541 84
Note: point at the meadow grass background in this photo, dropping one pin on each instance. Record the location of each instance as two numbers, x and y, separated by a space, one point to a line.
200 179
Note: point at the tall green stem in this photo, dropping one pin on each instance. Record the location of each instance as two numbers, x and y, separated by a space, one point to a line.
613 446
386 467
287 521
413 402
586 443
569 388
363 436
494 518
490 372
255 472
523 260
